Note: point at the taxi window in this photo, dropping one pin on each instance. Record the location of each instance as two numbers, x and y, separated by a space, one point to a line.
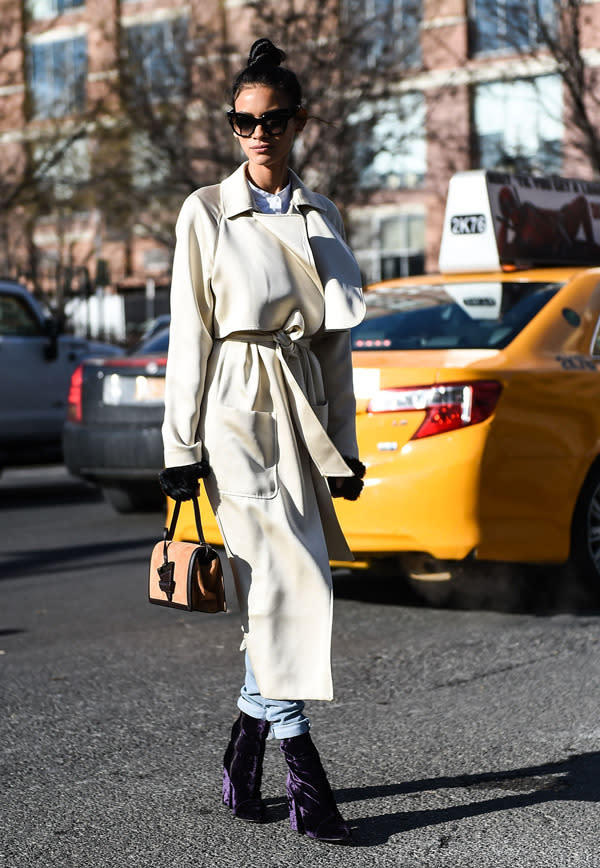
483 315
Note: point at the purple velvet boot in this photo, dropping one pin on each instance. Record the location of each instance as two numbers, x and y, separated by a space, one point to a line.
313 810
242 768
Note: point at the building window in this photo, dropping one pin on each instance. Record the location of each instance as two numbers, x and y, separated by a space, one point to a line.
518 124
155 57
509 25
57 76
39 9
390 150
384 31
388 244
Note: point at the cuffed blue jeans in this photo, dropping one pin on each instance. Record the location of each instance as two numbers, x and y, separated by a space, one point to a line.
286 716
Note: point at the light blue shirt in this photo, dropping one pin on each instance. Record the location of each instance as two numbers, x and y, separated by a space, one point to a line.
271 203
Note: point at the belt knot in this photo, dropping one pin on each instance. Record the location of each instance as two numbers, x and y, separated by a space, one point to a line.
284 340
289 340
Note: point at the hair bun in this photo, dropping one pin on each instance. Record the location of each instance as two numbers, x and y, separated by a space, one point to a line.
264 52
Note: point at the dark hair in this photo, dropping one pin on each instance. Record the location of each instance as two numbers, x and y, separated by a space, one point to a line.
264 67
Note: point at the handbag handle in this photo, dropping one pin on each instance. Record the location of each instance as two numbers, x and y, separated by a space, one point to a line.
169 532
166 570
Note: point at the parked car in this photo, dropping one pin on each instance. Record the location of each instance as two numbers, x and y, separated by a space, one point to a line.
112 436
479 421
37 362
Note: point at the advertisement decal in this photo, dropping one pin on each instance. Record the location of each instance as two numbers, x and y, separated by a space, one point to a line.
499 218
545 221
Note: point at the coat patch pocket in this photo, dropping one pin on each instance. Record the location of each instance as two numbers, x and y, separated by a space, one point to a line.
245 452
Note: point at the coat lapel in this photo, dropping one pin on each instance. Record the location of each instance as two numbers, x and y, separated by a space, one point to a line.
236 197
338 269
290 232
339 273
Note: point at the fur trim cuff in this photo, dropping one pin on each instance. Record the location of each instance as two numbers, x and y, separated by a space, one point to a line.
181 483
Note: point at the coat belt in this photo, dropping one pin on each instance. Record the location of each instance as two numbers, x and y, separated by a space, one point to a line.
317 441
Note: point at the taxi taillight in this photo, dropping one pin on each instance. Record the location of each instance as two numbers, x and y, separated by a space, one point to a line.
74 400
447 406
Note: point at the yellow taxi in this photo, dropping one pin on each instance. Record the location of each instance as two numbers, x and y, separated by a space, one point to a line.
478 389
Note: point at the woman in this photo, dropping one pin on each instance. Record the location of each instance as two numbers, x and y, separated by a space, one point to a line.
259 403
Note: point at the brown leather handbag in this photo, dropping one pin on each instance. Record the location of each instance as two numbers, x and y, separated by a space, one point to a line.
186 575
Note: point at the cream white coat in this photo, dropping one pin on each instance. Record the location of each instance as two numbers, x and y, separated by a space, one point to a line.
259 383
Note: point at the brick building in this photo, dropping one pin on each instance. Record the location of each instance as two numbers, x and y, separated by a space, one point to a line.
477 87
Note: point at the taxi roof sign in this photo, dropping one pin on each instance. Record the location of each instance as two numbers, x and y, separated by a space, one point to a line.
494 219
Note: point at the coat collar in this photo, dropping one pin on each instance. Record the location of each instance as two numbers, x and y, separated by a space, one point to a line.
237 198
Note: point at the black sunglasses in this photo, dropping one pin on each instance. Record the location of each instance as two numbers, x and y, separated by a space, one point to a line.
273 123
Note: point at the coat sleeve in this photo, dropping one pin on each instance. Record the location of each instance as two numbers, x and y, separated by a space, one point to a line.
333 349
190 340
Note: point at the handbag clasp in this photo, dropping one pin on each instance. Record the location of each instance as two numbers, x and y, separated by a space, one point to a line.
165 579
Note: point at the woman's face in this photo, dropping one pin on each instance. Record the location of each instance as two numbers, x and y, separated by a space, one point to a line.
262 150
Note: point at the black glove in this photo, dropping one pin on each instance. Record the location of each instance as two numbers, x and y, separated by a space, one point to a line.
181 483
351 486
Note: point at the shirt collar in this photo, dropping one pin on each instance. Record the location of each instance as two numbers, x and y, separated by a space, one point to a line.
271 203
237 197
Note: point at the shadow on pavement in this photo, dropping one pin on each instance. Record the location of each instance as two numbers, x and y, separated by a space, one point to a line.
76 557
44 490
538 589
372 586
574 779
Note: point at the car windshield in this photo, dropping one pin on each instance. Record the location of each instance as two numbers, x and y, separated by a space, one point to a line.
482 315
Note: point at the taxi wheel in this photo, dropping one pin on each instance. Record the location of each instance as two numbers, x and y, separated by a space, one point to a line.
585 542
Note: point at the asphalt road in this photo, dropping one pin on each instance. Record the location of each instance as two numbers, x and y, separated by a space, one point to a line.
463 737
